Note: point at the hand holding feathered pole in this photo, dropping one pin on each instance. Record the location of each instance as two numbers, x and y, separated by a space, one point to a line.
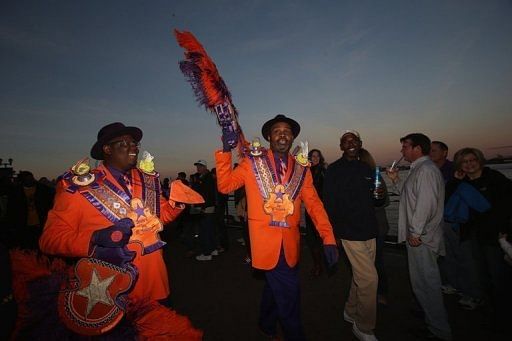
210 90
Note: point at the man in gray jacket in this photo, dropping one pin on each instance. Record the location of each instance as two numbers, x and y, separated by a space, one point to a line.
420 224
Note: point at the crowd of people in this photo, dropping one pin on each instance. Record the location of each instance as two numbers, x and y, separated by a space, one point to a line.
101 226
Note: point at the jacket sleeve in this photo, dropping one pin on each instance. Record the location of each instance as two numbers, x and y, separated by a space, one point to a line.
318 182
228 180
506 246
167 212
502 201
63 234
398 186
316 210
451 187
328 192
455 210
210 191
473 198
427 197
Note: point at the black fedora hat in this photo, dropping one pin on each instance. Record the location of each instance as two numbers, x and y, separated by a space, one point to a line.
108 132
265 130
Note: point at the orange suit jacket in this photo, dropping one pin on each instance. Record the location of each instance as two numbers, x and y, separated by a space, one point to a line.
73 220
266 240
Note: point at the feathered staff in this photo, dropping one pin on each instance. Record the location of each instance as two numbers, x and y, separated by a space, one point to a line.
210 89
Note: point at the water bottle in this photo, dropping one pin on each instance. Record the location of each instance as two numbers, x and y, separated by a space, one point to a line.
378 188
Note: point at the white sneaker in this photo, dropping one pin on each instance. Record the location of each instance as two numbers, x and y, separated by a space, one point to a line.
362 336
347 317
215 253
470 303
202 257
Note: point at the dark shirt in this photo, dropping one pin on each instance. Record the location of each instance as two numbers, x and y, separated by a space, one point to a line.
17 205
207 188
185 181
348 200
318 173
119 176
117 173
239 194
447 171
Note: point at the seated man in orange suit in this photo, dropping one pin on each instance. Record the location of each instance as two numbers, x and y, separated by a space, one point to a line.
113 214
276 183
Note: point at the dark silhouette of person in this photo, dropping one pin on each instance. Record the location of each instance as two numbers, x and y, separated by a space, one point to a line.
28 204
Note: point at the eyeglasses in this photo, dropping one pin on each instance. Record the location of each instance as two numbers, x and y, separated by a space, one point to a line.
126 144
466 161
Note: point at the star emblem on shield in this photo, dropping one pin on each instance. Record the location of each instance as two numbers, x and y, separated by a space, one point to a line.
97 291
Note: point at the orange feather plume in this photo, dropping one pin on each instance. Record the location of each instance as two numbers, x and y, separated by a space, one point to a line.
207 84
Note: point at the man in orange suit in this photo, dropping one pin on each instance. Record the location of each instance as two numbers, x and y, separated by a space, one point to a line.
276 183
114 213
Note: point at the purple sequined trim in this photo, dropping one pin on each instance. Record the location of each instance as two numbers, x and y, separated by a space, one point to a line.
292 186
152 248
270 168
258 177
300 180
100 207
157 194
143 183
150 191
122 194
279 224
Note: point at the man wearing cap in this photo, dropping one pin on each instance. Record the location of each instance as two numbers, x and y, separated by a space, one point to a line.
114 212
276 183
207 188
348 199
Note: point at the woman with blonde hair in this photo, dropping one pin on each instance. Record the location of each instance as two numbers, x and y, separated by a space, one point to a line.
483 229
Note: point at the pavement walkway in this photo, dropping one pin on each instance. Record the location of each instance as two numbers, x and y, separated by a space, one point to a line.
222 298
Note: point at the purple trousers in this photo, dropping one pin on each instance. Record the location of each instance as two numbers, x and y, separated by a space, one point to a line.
281 301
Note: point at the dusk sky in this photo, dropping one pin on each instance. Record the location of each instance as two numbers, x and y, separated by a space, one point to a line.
384 68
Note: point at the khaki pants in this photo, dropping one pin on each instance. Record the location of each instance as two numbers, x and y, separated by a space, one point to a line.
362 300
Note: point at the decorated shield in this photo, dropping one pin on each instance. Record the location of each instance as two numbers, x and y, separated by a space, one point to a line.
95 304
